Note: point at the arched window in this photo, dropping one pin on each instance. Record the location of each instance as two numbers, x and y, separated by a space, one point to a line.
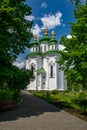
51 71
44 48
36 49
32 68
41 48
52 47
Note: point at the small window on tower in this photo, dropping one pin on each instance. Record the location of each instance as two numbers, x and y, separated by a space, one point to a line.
44 48
43 83
41 48
51 71
43 77
32 68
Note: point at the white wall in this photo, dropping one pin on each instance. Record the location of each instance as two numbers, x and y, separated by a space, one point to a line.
34 49
52 47
51 83
57 82
37 63
42 47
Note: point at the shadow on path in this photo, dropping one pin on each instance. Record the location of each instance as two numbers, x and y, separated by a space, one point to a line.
31 106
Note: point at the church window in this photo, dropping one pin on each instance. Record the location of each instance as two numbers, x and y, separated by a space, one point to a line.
33 49
32 68
51 71
52 47
43 76
43 83
36 49
44 48
41 48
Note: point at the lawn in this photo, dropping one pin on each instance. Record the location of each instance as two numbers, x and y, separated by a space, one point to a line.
73 102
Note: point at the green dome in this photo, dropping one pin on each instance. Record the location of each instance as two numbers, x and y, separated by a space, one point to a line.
34 43
44 39
33 54
51 52
53 41
41 71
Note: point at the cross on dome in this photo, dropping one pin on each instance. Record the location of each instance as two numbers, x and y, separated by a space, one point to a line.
35 37
45 31
53 34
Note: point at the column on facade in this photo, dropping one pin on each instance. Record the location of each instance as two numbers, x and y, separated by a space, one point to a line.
47 73
56 75
36 74
27 64
62 80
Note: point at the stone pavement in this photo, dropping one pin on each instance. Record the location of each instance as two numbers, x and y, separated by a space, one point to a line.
36 114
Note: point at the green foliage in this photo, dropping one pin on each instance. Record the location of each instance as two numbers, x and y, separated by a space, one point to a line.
6 94
75 100
82 96
48 95
73 59
55 91
17 80
14 28
15 35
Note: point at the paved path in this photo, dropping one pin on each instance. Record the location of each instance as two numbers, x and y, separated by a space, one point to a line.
36 114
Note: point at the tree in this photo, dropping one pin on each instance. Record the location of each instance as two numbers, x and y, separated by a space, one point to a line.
14 33
18 79
14 28
74 57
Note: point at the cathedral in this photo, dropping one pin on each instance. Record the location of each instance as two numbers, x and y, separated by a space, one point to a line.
42 61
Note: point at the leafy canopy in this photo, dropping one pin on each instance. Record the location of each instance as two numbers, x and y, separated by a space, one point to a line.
14 35
74 57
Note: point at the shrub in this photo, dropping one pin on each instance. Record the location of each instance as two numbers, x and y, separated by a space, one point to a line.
55 91
48 95
82 96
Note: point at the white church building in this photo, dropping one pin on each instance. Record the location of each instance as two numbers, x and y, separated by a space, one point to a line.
42 61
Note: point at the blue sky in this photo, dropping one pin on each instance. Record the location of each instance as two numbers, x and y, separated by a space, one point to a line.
53 14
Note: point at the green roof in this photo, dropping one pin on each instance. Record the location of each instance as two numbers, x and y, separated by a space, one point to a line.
53 41
34 43
41 71
33 54
45 38
51 52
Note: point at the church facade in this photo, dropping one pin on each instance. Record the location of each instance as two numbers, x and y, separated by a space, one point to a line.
42 61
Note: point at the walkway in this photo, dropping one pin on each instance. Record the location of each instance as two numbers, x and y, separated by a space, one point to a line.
36 114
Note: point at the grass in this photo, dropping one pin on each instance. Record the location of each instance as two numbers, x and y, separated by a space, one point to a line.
73 102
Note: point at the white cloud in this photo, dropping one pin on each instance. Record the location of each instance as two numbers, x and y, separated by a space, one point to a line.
19 63
51 21
36 30
29 18
69 36
44 5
